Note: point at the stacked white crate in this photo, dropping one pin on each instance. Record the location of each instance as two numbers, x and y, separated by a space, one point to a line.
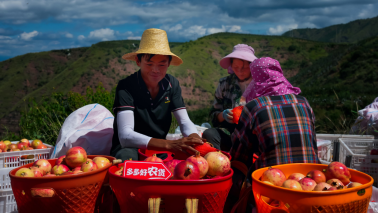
9 161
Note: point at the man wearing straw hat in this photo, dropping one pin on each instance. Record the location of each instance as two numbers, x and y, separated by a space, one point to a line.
144 102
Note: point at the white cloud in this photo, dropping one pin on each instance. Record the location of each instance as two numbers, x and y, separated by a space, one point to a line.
105 34
175 28
69 35
81 37
134 37
234 28
28 36
279 29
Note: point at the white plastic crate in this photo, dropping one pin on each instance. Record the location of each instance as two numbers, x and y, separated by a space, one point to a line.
7 202
14 159
324 148
5 182
359 150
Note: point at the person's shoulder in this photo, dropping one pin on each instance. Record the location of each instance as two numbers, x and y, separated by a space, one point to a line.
172 80
128 82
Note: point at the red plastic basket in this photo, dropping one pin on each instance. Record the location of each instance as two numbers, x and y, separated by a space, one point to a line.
133 195
72 193
144 153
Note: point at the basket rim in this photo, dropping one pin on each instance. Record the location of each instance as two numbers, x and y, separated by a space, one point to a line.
14 170
174 182
363 186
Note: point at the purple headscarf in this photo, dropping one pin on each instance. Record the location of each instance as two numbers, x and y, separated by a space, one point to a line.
268 80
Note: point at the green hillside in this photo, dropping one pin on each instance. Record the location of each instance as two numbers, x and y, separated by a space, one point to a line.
351 32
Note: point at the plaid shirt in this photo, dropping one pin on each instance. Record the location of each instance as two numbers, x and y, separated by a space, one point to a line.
279 129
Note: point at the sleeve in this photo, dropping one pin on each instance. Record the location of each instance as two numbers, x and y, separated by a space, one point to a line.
186 125
218 106
126 134
177 102
123 99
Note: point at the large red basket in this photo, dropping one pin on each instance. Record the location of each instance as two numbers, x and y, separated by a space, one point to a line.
133 194
72 193
144 153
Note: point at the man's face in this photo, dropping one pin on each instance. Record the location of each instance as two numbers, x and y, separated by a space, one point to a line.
153 70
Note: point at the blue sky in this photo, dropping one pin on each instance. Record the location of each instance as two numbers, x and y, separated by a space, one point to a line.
41 25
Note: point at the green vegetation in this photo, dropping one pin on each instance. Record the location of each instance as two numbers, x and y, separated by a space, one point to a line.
341 33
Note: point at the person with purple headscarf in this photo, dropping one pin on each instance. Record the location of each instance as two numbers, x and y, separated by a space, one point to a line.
228 95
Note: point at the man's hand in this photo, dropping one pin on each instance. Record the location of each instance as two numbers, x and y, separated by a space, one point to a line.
184 145
228 115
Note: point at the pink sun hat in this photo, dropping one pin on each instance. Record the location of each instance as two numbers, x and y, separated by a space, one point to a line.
240 51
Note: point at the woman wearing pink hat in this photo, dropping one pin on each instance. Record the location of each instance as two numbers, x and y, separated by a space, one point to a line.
228 95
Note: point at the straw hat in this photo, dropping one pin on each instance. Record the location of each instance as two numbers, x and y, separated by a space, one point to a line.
154 41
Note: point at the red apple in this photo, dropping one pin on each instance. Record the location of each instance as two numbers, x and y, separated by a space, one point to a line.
76 156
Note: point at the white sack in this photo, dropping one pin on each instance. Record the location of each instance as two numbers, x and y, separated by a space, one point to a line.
90 127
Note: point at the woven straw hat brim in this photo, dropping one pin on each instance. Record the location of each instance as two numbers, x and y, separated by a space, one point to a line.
176 61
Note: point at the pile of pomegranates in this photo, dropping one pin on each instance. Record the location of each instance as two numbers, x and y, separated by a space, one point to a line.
335 177
23 144
74 162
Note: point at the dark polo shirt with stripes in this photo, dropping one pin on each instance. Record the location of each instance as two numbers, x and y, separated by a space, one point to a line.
151 117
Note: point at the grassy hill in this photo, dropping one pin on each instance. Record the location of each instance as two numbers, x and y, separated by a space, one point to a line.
351 32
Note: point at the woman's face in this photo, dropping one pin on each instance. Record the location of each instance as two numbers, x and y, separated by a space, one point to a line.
241 68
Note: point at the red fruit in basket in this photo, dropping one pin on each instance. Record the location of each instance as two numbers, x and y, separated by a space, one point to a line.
12 147
332 188
307 184
339 171
89 166
237 113
24 172
296 176
101 162
353 184
25 142
67 173
36 171
42 192
30 148
275 176
171 164
79 168
21 146
200 162
3 146
205 148
186 171
44 165
50 175
269 183
336 183
75 157
41 146
60 160
153 158
59 169
292 184
35 143
322 187
317 175
218 163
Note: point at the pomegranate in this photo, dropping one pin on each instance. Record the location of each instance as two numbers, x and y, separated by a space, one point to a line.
218 163
44 165
186 170
296 176
60 160
12 146
171 164
2 145
36 171
68 173
7 143
353 184
339 171
153 158
41 146
75 157
26 141
16 150
59 169
21 146
335 182
307 184
50 175
322 187
200 162
30 148
275 176
35 143
89 166
333 188
79 168
205 148
292 184
267 182
237 113
317 175
42 192
101 162
24 172
77 172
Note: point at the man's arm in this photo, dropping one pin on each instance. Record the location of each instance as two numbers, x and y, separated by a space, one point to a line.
187 127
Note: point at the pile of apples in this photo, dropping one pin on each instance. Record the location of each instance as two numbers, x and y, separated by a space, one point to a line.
23 144
212 165
335 177
74 162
